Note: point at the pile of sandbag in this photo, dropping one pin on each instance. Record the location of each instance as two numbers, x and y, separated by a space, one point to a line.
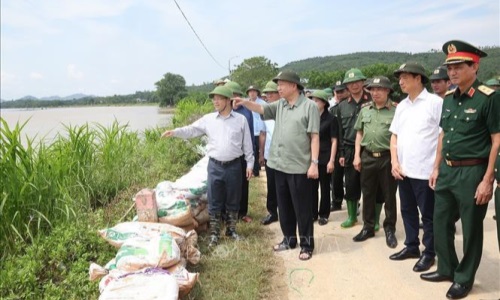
153 251
182 203
147 250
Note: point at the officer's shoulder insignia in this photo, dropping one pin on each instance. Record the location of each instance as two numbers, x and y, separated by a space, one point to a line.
486 90
366 104
394 104
450 92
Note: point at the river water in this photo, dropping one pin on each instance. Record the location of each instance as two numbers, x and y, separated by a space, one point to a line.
46 123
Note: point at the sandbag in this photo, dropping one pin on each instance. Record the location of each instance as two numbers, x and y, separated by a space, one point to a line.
173 207
150 283
121 232
138 253
184 278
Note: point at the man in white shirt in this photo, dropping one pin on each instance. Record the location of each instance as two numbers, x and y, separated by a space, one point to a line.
229 138
415 130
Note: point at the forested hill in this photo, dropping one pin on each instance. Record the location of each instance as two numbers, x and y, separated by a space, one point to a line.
489 67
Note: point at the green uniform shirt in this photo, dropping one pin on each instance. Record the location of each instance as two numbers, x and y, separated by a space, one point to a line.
468 120
347 114
291 143
375 125
497 169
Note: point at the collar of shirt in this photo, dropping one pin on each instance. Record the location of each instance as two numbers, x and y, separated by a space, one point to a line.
422 96
231 114
299 101
388 104
470 91
364 97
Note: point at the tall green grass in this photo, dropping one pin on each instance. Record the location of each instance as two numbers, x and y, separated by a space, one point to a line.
84 168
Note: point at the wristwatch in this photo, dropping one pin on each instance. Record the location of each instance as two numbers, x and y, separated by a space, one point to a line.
315 161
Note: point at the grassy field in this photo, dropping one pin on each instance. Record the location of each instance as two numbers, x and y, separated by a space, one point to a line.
55 197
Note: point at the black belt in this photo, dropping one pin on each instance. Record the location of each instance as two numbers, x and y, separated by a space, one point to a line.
224 163
377 154
466 162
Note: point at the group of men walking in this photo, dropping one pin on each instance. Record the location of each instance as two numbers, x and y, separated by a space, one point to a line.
441 154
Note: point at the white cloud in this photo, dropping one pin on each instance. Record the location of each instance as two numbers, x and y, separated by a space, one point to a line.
74 73
36 75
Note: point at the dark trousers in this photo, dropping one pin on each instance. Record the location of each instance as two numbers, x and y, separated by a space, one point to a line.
378 186
497 210
243 211
415 195
324 183
272 201
352 177
454 193
224 187
294 204
338 183
256 165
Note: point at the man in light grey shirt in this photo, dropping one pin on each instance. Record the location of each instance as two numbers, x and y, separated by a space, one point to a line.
229 138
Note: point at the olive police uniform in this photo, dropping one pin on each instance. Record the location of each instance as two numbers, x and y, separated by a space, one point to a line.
468 119
376 174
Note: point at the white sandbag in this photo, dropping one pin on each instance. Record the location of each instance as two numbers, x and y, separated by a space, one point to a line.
139 253
151 283
173 207
121 232
184 278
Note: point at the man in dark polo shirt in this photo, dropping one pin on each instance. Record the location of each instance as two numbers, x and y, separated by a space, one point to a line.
294 156
463 174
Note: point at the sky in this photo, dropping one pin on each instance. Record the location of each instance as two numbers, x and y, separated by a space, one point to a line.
104 47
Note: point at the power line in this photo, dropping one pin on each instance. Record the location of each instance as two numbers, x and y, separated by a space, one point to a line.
199 39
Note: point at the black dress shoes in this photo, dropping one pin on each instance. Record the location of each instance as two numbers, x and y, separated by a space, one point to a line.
458 291
424 263
405 254
269 219
322 221
364 235
434 277
390 239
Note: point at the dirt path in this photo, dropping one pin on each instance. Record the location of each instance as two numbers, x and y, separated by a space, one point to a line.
343 269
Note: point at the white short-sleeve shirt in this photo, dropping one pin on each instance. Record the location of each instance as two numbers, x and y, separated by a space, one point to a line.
416 125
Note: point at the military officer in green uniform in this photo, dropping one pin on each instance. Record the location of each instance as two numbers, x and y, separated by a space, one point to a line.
372 159
463 173
347 114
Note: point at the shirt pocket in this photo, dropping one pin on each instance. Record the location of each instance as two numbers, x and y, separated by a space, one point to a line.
445 118
467 123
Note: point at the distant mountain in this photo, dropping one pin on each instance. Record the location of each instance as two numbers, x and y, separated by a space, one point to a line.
70 97
489 67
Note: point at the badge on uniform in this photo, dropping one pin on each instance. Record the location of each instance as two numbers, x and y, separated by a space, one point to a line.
351 75
470 111
471 92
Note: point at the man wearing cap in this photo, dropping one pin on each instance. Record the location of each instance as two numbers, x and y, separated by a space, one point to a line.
341 94
229 138
265 139
253 94
440 82
463 174
372 159
415 131
493 83
236 88
328 133
347 115
294 157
